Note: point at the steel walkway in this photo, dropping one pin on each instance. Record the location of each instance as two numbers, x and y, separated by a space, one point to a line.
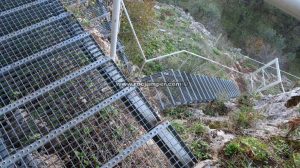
60 102
189 88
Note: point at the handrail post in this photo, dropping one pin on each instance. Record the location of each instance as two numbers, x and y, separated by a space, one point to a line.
115 28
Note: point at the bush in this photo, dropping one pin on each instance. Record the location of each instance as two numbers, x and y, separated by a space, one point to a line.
245 100
249 147
244 118
216 108
200 149
281 148
178 113
199 129
296 157
255 148
179 127
232 148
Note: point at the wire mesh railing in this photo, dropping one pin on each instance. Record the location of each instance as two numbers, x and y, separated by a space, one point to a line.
61 105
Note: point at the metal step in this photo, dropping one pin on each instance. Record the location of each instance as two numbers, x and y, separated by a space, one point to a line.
9 4
23 16
197 89
29 41
205 91
43 68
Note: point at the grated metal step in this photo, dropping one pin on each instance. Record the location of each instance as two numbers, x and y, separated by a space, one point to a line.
28 14
9 4
193 88
44 68
30 41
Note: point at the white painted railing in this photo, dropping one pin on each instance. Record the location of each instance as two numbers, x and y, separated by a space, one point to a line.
264 85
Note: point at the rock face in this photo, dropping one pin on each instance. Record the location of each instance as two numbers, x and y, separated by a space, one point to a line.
277 111
281 107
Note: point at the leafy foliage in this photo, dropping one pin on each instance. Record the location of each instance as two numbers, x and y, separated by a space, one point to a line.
200 149
198 129
178 113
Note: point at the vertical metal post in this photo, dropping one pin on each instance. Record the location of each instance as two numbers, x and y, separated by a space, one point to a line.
115 28
252 82
263 76
279 74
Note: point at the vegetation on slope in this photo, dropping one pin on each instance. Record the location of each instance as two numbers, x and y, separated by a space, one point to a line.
261 30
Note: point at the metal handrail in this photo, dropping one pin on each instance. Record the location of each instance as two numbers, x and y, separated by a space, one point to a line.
193 54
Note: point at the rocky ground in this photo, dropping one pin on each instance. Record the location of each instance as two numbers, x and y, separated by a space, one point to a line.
268 121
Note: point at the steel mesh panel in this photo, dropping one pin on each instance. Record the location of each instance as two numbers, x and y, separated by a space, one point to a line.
24 45
9 4
96 135
176 94
55 108
38 73
68 139
28 16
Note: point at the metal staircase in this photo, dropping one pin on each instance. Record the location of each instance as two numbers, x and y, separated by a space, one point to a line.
192 89
61 104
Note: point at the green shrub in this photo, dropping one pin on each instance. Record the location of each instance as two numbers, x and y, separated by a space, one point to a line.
281 148
178 113
244 150
255 148
199 129
245 100
296 157
216 108
232 148
245 117
179 127
200 149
